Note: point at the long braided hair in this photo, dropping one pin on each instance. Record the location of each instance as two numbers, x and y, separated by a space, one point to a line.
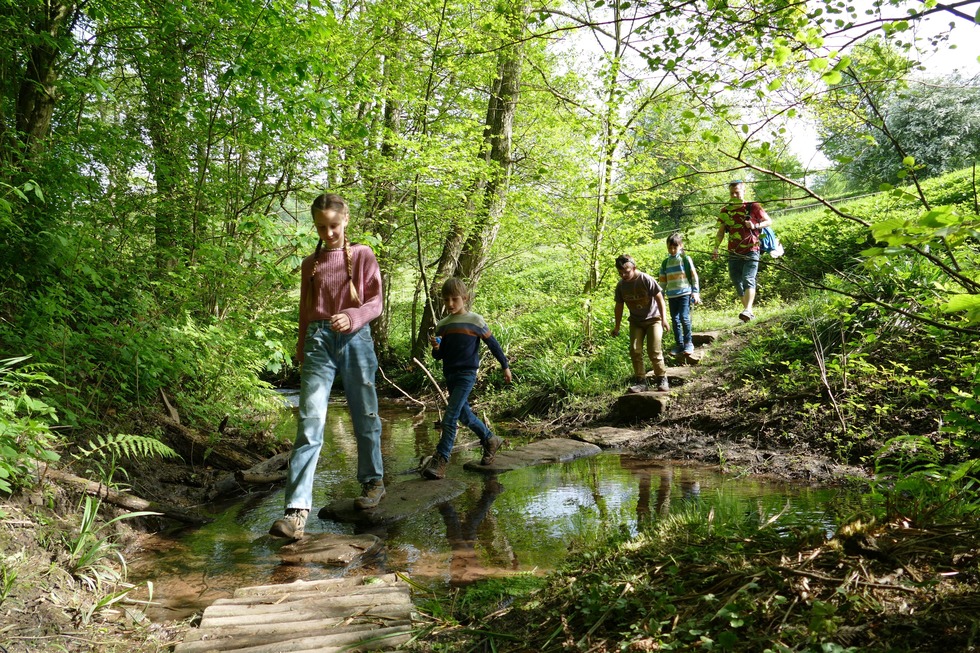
332 202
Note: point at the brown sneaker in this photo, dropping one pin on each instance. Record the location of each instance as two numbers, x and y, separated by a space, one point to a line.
435 469
291 526
490 447
372 493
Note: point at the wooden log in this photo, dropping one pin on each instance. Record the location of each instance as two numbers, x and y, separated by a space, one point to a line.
124 500
201 449
352 640
264 472
382 615
322 585
233 640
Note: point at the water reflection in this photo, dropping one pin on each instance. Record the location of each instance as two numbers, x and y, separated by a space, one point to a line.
522 521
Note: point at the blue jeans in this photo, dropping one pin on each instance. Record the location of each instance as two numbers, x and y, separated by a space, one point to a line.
742 270
325 355
460 384
680 317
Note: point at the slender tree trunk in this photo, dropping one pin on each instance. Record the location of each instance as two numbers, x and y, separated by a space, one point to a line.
37 92
498 137
163 79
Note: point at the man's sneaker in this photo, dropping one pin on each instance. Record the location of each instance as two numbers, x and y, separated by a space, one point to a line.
662 385
435 469
372 493
292 525
638 387
490 447
688 350
746 315
675 351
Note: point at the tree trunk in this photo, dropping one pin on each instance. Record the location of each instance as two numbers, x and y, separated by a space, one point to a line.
37 91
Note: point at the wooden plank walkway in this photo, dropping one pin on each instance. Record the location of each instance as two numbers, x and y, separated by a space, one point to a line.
357 613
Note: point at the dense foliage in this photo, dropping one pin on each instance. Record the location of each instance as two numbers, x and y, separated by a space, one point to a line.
157 161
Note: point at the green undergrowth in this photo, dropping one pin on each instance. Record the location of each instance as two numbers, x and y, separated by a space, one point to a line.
728 578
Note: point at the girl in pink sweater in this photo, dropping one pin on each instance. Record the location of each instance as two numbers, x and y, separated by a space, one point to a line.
340 294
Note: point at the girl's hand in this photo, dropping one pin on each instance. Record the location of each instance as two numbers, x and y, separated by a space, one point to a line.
435 342
696 298
340 323
508 377
666 325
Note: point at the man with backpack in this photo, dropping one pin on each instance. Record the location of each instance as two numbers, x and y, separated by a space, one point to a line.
742 221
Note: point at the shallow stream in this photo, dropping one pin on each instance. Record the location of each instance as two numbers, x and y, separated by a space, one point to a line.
520 521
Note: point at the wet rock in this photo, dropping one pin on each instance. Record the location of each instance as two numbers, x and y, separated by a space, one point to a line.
402 500
608 437
542 452
330 548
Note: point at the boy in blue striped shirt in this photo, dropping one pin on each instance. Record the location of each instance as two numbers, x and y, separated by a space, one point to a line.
457 344
679 280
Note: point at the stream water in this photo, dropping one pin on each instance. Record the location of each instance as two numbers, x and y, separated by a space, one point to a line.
521 521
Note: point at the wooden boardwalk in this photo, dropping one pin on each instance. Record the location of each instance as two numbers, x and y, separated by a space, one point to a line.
357 613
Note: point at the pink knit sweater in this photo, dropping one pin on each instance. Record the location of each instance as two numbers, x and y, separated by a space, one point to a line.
332 291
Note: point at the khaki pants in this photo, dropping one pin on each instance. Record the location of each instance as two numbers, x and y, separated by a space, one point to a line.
654 335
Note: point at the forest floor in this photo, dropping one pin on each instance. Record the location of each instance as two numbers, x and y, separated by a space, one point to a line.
47 605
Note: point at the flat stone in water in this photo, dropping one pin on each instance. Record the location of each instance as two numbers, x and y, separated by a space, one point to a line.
607 437
330 549
401 500
542 452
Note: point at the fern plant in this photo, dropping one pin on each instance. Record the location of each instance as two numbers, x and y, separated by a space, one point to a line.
26 437
106 450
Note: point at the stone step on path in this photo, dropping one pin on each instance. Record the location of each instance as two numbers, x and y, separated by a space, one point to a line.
651 404
362 613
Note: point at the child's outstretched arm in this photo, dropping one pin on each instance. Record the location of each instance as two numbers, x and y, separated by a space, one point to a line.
662 307
498 353
619 318
695 283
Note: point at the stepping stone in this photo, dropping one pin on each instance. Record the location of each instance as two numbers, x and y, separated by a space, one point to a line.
607 437
641 405
541 452
704 338
330 549
401 500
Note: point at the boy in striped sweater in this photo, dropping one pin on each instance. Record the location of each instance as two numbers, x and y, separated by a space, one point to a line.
679 279
457 344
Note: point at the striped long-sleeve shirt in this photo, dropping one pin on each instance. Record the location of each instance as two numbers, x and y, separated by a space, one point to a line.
460 346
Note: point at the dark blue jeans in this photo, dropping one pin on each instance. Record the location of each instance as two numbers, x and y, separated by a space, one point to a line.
460 385
680 317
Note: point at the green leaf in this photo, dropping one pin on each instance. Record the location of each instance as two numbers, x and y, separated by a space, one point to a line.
833 77
816 65
959 303
775 85
908 161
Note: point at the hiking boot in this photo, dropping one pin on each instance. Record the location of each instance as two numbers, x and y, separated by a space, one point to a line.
372 493
746 315
638 387
662 385
292 525
435 469
675 350
688 349
490 447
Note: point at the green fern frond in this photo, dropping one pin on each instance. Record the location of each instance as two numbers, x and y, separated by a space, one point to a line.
126 444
